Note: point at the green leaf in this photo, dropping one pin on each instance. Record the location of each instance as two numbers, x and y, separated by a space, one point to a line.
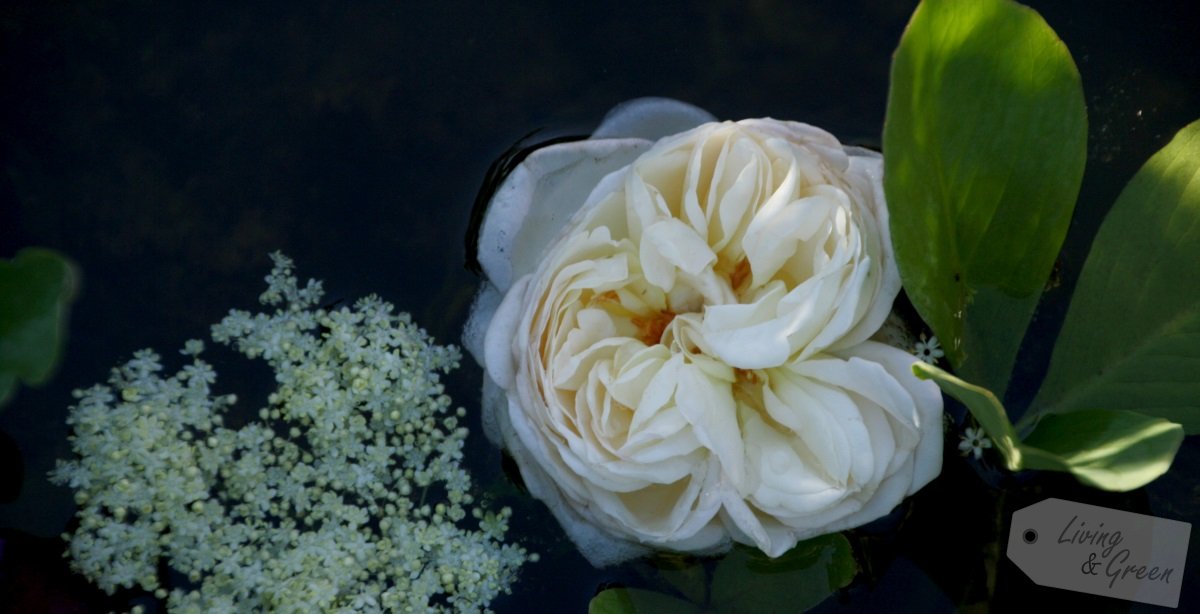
986 408
1107 449
36 288
1131 337
687 576
636 600
984 148
746 580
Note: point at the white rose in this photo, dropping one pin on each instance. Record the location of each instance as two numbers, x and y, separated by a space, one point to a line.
676 330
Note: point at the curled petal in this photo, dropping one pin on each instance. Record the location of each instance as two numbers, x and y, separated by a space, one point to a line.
534 202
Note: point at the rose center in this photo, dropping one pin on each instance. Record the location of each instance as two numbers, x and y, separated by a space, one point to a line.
739 278
650 329
650 326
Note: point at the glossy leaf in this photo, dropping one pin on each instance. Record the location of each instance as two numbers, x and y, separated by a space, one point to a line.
748 581
1108 449
36 288
984 147
1131 337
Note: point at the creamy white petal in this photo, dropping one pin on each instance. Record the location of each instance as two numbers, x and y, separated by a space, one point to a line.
704 399
866 173
498 348
601 547
747 335
751 174
827 422
882 501
669 245
927 398
752 527
871 380
774 236
533 203
785 480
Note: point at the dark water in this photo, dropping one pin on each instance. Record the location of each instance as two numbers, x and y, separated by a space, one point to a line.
168 148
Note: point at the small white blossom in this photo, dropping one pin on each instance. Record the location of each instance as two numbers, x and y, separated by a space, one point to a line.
310 508
192 347
928 351
974 442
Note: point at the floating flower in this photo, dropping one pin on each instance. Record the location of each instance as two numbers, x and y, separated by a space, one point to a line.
974 441
677 334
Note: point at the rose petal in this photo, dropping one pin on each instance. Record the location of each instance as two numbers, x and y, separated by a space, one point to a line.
483 308
927 398
882 501
828 423
502 330
871 380
530 208
749 526
705 400
650 118
668 245
601 547
865 173
784 475
774 237
767 331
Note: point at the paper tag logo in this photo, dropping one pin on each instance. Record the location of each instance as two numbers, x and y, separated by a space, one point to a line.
1099 550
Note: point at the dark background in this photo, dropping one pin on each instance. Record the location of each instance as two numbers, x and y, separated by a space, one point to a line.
168 147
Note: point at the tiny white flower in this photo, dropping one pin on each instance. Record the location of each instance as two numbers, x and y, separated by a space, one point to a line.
928 351
974 442
192 347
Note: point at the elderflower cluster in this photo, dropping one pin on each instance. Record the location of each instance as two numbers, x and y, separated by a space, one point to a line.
347 495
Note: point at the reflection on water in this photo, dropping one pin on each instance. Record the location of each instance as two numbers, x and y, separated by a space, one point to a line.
168 149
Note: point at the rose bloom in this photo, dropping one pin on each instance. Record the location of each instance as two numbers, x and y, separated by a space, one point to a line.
677 332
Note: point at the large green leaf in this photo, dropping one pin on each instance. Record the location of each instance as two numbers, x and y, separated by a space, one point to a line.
746 580
36 288
984 146
1131 338
1108 449
684 574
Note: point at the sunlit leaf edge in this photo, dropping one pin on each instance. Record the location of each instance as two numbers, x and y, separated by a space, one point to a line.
1125 461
